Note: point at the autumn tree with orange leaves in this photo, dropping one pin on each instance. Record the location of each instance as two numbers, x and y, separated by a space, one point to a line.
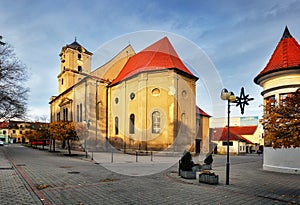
281 122
33 136
64 131
38 132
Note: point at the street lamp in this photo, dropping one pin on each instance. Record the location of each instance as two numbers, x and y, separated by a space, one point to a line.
239 101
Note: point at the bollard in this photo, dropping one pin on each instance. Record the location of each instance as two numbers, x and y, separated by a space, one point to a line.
179 167
151 156
136 156
112 157
92 156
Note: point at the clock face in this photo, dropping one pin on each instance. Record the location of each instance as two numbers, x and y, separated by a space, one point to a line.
132 95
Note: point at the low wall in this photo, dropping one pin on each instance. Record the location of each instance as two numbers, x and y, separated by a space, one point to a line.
284 160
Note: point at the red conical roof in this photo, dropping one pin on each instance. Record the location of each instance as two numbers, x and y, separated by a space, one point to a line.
286 55
158 56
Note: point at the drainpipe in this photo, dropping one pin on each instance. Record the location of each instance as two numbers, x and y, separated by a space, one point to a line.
97 110
106 110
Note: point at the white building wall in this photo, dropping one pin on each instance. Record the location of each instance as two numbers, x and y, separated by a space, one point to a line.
284 160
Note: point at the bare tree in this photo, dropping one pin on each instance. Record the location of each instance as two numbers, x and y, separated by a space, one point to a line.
13 75
1 42
44 118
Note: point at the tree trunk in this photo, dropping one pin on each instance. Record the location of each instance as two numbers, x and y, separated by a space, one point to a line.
50 144
53 145
69 147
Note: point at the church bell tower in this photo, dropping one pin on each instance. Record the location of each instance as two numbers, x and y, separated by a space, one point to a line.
75 64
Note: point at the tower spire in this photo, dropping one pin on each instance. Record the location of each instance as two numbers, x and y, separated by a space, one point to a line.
286 33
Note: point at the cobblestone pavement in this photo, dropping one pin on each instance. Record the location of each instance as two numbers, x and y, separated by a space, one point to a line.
33 176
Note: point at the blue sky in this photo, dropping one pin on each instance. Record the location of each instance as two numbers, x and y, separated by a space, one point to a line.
238 36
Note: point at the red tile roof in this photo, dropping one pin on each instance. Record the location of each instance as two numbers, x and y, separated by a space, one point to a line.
158 56
286 55
201 112
4 125
220 134
243 130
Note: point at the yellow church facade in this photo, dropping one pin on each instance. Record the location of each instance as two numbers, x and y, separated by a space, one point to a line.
136 101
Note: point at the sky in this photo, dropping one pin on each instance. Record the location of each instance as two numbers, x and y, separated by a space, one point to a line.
238 37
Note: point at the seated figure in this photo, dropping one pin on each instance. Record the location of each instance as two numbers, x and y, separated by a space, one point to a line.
186 163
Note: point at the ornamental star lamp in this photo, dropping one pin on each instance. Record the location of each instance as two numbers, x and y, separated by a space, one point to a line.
241 101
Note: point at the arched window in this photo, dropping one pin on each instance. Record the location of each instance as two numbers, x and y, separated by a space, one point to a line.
131 124
155 122
116 125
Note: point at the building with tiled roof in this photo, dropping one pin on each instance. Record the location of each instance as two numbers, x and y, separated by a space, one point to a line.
144 100
154 101
159 56
242 139
14 131
4 136
279 78
202 143
282 73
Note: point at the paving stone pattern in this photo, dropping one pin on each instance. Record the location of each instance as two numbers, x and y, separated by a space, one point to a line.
13 188
76 180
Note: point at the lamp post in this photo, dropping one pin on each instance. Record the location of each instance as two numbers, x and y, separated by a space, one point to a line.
241 101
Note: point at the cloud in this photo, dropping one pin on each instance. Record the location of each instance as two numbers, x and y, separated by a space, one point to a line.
239 36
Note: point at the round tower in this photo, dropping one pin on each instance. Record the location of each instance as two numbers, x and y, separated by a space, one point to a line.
279 79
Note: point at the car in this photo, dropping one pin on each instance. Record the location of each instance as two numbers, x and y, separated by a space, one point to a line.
1 143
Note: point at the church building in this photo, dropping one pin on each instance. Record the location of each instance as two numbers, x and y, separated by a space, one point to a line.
136 101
